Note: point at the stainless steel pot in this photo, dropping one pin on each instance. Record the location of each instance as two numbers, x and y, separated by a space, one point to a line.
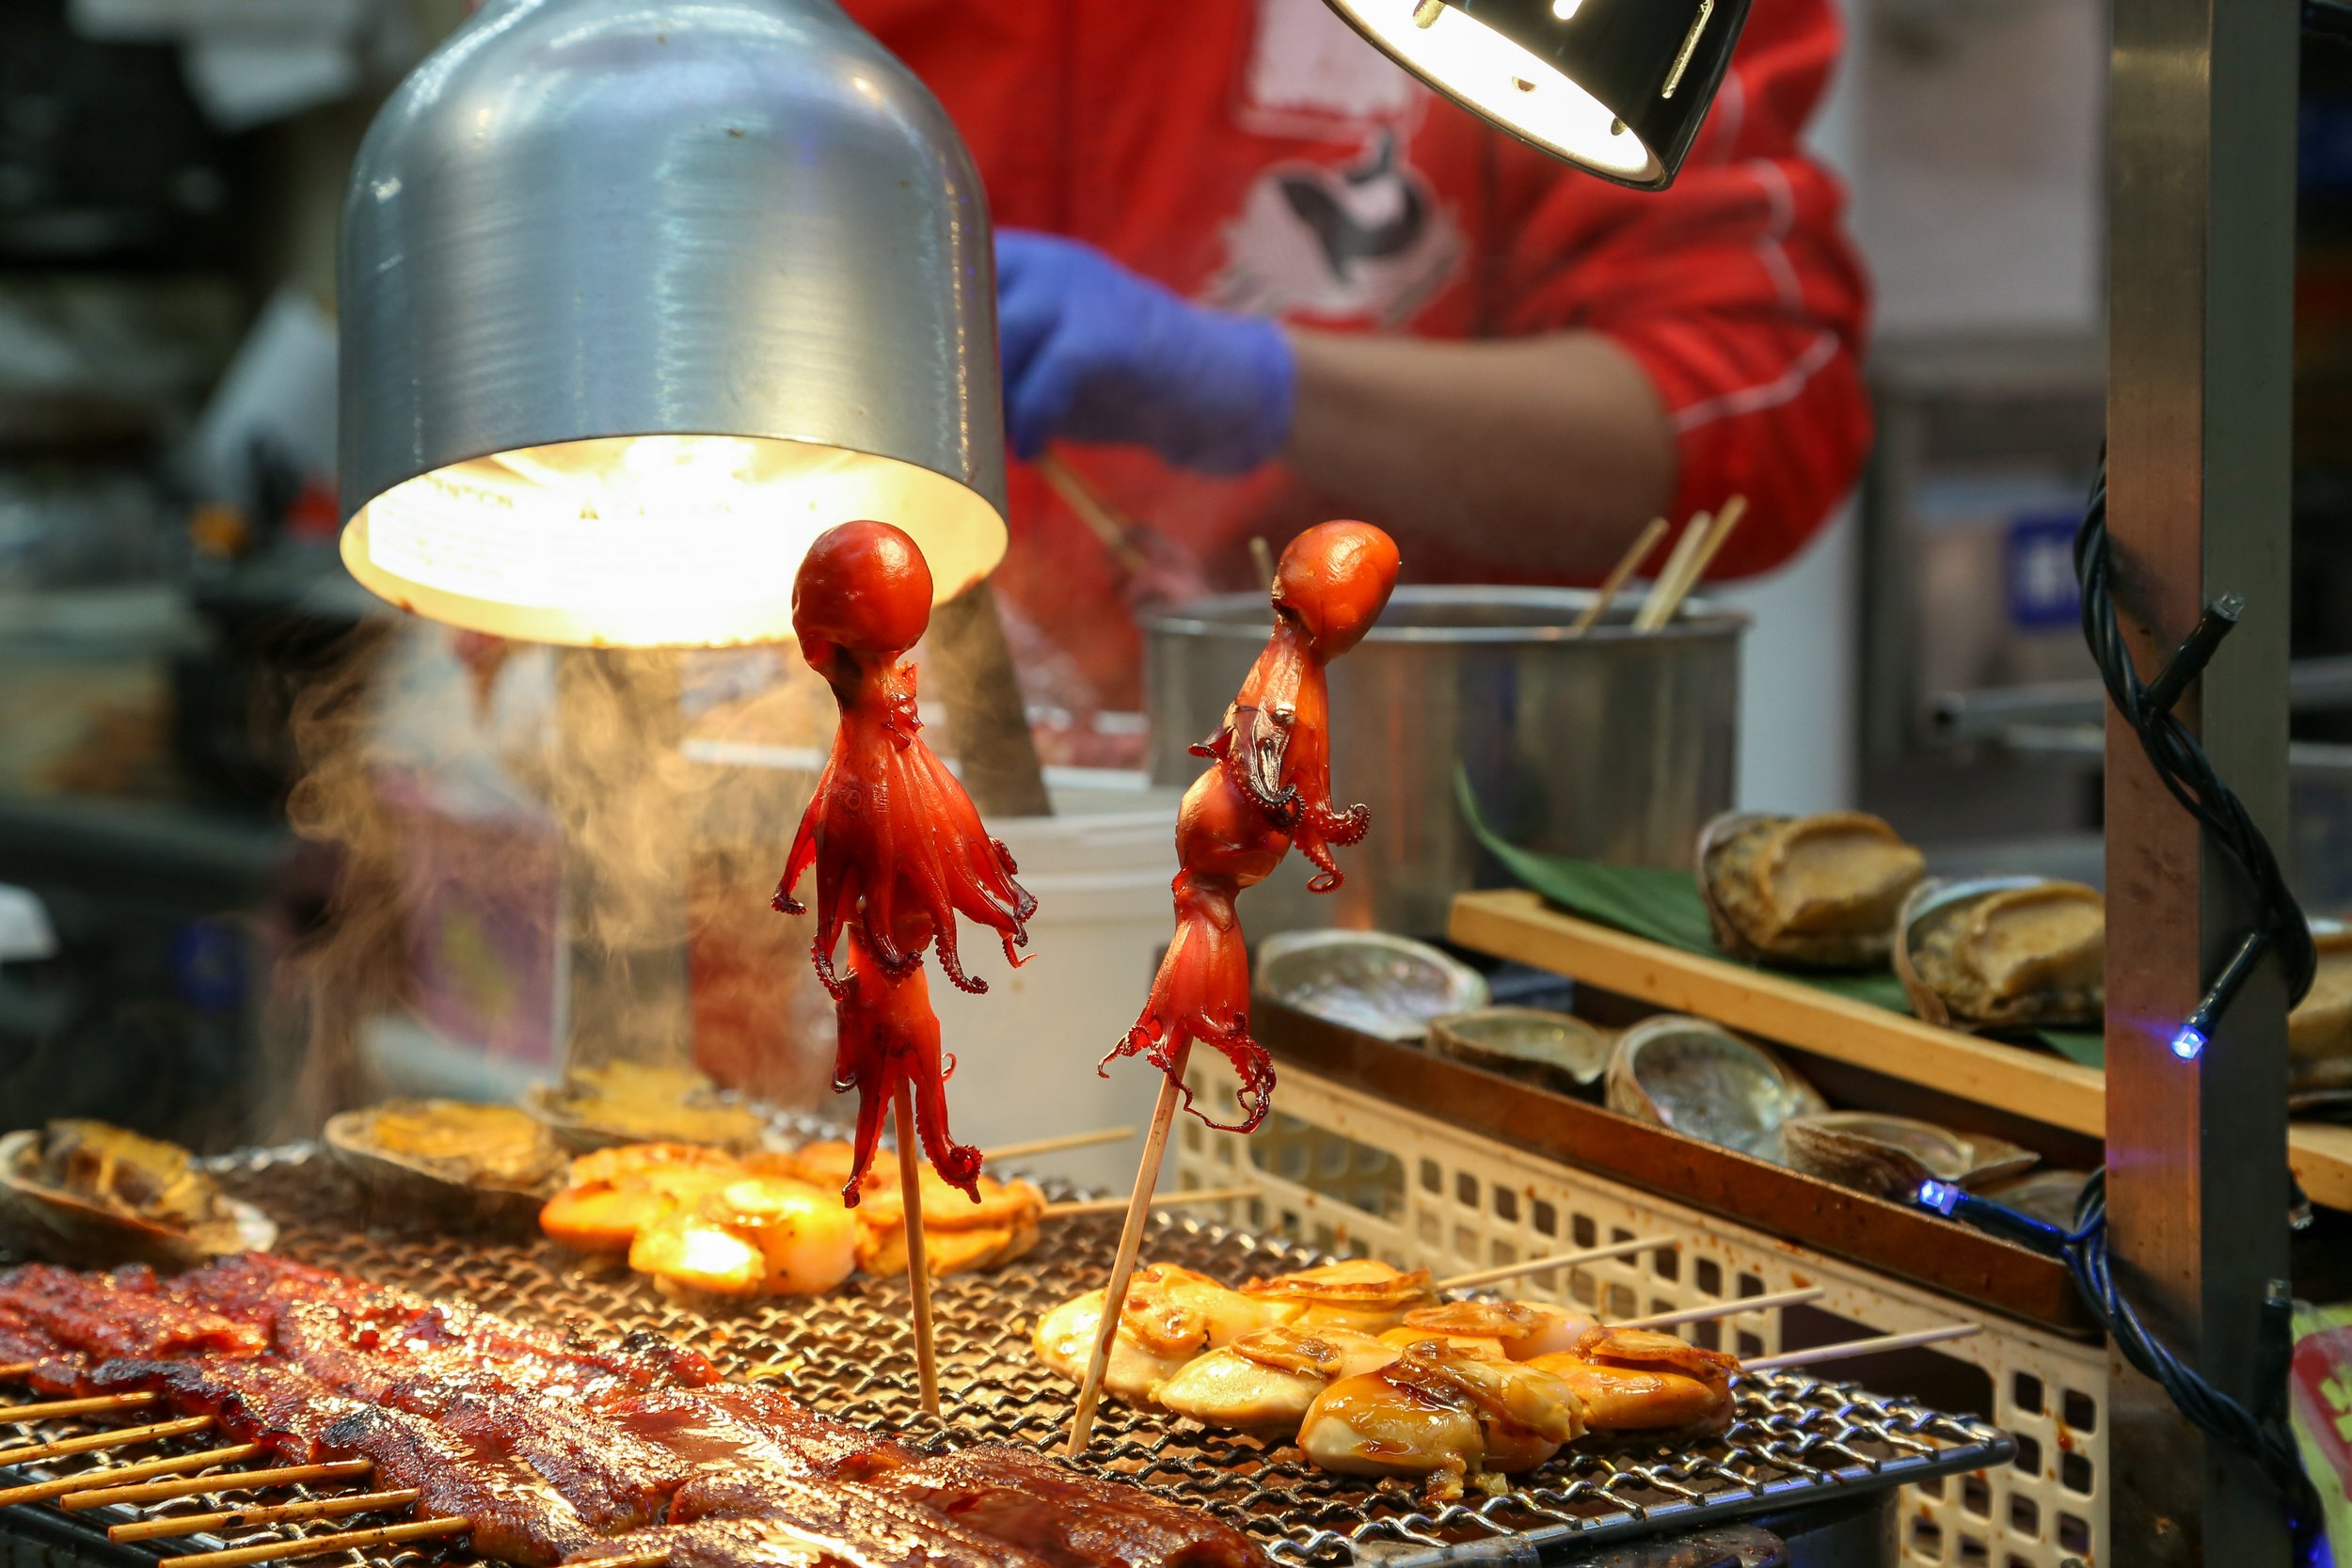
1611 746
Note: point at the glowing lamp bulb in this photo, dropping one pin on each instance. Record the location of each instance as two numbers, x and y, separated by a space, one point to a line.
1942 1196
2189 1043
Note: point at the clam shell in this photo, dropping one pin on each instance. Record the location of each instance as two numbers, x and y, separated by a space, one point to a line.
1923 929
1814 937
41 1221
1892 1155
576 1125
1552 1051
441 1188
2319 1031
1699 1079
1367 980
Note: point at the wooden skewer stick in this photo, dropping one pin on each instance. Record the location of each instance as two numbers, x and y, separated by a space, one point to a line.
1723 1309
1262 557
1101 521
318 1546
121 1437
240 1518
16 1368
1696 567
1861 1347
1606 595
1526 1266
235 1481
919 1258
1162 1200
1130 1242
41 1491
1652 613
72 1407
1055 1145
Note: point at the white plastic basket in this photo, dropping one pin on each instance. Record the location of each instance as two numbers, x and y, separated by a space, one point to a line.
1351 1174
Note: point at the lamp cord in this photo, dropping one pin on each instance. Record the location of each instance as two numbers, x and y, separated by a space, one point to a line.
2179 759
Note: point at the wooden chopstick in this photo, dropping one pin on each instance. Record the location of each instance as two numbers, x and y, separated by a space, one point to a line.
1696 566
1606 593
1100 520
242 1518
1653 611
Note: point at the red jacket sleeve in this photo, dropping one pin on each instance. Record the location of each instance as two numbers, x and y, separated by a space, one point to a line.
1736 289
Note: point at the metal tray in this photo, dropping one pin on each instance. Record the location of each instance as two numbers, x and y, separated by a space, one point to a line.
1953 1260
1797 1439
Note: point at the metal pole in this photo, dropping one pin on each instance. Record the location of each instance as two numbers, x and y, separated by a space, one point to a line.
2201 226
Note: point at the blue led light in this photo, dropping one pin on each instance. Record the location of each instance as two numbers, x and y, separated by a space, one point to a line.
1942 1196
2189 1043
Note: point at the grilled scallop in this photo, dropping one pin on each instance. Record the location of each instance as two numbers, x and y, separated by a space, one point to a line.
1516 1330
1064 1340
1638 1398
1170 1316
1440 1411
1360 1294
1264 1381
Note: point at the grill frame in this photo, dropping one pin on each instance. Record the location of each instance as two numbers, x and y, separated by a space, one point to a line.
1798 1440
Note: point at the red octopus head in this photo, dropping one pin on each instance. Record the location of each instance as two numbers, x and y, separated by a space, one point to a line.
863 586
1335 578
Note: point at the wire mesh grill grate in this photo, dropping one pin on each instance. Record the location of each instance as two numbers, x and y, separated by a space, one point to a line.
851 1355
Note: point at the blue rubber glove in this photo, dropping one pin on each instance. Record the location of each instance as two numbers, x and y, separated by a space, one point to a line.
1094 352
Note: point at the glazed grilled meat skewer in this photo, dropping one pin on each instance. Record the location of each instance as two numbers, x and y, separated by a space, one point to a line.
553 1449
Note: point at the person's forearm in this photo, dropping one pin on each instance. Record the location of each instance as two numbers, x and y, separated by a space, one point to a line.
1544 454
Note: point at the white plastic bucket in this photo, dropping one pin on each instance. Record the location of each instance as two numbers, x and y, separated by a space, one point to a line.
1026 1052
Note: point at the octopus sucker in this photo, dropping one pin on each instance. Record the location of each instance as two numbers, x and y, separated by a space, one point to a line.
1267 787
898 848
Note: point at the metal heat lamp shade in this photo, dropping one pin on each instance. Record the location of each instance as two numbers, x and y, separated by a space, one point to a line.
637 296
1616 86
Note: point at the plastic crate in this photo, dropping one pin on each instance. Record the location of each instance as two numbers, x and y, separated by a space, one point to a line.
1354 1175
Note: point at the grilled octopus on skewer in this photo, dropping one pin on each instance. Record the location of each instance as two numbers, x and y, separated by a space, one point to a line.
1270 788
897 846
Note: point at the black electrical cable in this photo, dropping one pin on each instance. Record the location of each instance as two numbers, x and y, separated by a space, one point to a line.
2180 760
2280 928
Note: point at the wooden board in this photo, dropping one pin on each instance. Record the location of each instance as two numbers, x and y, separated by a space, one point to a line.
1519 926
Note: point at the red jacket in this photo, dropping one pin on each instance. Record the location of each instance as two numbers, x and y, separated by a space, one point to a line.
1256 155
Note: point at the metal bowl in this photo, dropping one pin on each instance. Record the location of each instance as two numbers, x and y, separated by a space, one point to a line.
1367 980
1699 1079
1484 679
1892 1155
1552 1051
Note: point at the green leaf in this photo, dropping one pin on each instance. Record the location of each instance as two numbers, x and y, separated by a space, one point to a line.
1665 907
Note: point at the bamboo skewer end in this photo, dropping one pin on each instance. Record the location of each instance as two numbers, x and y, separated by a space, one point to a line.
318 1546
918 1257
